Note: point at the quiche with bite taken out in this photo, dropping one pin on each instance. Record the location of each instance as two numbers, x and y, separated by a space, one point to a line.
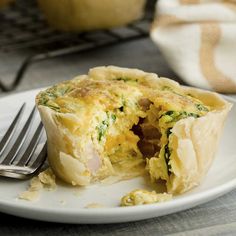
124 123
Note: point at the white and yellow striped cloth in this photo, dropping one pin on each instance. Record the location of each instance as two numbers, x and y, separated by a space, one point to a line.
198 40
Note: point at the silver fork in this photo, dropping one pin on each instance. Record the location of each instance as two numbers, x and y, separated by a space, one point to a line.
27 164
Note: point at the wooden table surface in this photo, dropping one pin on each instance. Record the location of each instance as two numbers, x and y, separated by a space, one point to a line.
217 217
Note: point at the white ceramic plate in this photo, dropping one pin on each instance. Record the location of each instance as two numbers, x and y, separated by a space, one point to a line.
67 204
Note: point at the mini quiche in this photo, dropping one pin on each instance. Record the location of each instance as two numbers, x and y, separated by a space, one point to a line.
87 15
125 122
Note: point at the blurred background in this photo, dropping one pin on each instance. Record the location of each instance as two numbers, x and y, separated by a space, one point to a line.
37 50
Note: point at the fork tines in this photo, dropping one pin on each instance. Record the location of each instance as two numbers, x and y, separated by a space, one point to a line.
18 165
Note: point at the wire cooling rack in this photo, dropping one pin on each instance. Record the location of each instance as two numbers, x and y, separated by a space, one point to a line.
24 31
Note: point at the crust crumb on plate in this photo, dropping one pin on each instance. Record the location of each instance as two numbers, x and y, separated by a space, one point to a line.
45 179
94 205
33 192
48 179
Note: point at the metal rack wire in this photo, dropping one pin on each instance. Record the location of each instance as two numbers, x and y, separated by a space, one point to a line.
23 29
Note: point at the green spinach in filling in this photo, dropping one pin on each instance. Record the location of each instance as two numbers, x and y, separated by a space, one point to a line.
103 126
170 118
47 97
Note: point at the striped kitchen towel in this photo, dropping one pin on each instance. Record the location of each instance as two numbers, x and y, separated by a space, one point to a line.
198 40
